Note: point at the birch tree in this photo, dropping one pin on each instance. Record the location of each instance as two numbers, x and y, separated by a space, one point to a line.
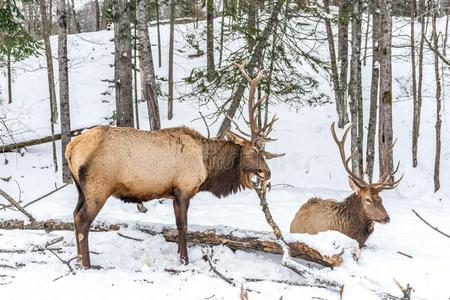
385 132
123 63
372 124
63 87
355 89
148 81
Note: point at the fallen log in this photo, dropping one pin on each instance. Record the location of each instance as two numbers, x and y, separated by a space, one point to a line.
47 139
233 238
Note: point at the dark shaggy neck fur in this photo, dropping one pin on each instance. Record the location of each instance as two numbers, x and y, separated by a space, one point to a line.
358 226
222 160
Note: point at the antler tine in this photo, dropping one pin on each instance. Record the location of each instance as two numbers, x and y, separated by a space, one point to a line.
383 181
241 68
394 184
341 147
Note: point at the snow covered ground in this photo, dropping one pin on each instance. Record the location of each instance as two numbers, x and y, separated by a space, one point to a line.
143 270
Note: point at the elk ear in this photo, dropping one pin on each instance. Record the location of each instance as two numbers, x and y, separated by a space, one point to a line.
268 155
355 185
237 139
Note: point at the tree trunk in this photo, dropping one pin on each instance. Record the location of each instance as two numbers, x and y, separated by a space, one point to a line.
418 105
171 45
356 104
106 13
9 77
414 81
123 64
75 18
50 76
210 68
63 87
385 132
372 125
444 51
343 55
233 238
261 44
159 34
97 16
437 159
340 108
366 35
222 27
147 68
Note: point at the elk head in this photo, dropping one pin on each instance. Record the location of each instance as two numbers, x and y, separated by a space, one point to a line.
368 193
253 155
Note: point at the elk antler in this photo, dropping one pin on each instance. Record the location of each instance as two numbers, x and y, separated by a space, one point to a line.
258 135
341 145
383 183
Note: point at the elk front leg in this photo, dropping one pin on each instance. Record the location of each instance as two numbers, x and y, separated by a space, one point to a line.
180 207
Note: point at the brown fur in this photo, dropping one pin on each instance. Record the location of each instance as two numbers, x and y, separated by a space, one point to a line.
137 165
354 217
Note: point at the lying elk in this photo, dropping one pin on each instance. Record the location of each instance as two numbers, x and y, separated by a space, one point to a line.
136 166
355 216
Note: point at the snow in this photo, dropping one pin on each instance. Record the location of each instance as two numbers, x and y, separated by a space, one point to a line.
139 270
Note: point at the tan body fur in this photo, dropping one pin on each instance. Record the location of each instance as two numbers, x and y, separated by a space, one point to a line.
141 165
318 215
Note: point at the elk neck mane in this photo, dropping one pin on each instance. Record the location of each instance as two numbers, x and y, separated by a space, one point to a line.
351 209
222 160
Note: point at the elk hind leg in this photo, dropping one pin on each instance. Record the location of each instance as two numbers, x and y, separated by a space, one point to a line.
80 203
83 220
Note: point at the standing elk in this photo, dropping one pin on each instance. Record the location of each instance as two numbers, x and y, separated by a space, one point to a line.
177 163
355 216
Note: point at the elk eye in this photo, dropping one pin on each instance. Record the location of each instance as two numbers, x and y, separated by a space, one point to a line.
368 200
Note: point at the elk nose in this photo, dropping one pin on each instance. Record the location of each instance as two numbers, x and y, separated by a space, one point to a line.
387 219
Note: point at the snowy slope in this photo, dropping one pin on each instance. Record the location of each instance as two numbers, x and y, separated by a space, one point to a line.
311 165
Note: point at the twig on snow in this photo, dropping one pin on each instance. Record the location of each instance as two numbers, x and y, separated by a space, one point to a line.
208 253
405 290
45 196
404 254
46 247
431 226
129 237
16 204
287 260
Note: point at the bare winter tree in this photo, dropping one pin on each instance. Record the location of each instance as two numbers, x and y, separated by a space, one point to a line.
147 67
159 33
210 39
338 95
9 77
63 87
45 25
122 63
435 42
75 17
372 124
385 132
414 80
355 89
97 15
252 64
171 45
343 53
418 104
